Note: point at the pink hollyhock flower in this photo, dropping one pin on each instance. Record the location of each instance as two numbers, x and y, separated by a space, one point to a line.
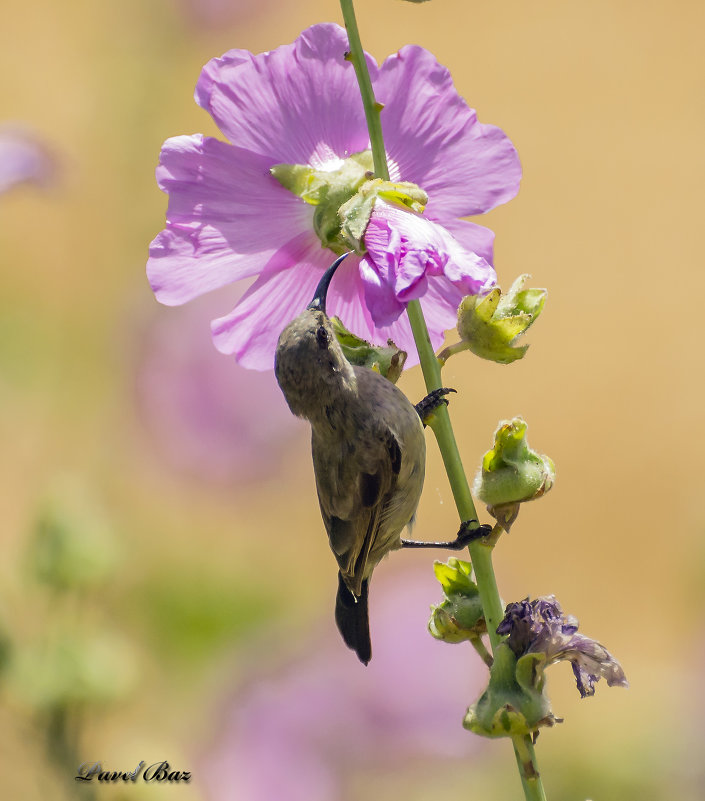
23 159
298 107
214 13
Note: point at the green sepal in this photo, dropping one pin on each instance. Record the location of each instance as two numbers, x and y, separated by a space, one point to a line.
522 301
356 212
490 324
511 705
511 472
327 190
459 617
387 360
530 671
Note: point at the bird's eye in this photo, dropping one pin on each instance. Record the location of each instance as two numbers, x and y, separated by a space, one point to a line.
322 337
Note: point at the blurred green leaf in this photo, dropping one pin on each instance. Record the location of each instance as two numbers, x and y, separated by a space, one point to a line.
191 617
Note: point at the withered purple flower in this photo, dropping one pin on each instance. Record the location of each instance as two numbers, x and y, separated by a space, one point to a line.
540 627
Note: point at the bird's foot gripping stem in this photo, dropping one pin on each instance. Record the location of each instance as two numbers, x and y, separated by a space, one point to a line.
431 402
470 530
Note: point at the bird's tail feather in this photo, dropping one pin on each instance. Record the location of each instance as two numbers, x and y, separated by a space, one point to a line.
353 620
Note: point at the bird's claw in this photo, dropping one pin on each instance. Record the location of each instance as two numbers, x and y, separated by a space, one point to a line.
471 530
431 402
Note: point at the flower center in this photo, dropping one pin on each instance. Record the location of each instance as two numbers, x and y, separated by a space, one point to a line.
344 193
327 188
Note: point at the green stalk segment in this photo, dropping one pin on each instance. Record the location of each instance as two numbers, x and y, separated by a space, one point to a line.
480 554
371 106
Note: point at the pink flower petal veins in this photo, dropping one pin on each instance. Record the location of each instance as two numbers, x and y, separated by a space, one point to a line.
382 303
221 200
250 332
298 104
434 139
473 237
346 299
229 219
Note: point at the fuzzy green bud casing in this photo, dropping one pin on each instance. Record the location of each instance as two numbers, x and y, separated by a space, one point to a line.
514 702
386 360
512 473
355 213
459 617
327 190
490 324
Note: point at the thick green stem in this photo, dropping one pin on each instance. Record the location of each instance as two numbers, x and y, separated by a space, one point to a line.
481 555
371 106
528 771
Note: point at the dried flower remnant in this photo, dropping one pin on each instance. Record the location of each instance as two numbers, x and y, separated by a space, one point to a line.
540 627
223 197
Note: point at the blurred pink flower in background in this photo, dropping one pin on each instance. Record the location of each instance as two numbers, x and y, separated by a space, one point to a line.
299 732
23 158
228 218
216 13
205 415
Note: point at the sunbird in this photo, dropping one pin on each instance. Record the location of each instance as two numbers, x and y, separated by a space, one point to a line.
369 456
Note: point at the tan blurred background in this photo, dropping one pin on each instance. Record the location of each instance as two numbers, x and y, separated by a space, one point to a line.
221 565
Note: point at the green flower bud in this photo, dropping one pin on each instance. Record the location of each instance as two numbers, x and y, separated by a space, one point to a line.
459 617
513 704
73 545
512 473
489 324
387 360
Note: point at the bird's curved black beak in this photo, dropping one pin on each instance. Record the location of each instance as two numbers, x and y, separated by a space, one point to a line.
319 299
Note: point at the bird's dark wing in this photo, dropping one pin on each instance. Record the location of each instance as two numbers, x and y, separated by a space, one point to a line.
355 486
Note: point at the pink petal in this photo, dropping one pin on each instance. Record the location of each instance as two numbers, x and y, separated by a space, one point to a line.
473 237
283 290
433 138
221 200
379 295
440 307
403 250
346 299
298 104
24 159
